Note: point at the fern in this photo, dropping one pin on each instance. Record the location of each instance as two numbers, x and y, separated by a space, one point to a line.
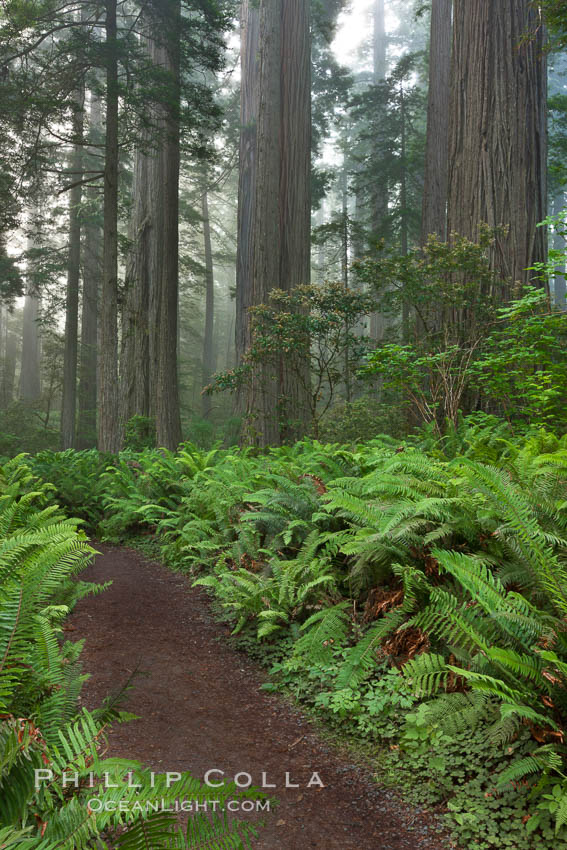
323 631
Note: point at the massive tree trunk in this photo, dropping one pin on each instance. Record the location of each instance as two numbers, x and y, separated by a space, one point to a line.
108 424
277 403
249 104
497 161
434 209
30 373
92 269
149 380
163 186
208 339
69 402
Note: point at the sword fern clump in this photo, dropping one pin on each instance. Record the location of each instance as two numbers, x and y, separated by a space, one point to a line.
481 555
43 734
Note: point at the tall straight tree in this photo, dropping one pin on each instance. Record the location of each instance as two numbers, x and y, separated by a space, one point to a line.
30 376
149 383
497 149
8 373
435 181
163 183
69 403
149 367
379 191
92 268
134 361
108 422
277 408
208 337
249 105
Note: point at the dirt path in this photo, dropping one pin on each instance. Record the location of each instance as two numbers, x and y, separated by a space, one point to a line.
201 709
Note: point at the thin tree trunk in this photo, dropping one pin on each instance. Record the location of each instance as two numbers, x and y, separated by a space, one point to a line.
379 192
404 206
497 161
108 424
69 402
345 252
208 339
436 176
9 371
92 269
134 362
30 372
559 288
30 376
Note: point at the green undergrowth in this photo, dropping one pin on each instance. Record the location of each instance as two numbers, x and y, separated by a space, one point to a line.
453 776
411 593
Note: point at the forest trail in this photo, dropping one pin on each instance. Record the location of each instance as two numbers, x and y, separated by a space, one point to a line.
201 708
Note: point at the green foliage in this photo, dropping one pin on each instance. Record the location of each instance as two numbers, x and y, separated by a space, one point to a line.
312 325
23 429
523 366
362 420
76 480
140 434
413 593
473 341
41 727
446 285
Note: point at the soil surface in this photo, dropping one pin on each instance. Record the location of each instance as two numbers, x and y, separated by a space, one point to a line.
201 708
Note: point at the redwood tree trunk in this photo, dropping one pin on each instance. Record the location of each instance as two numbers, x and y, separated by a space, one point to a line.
69 402
278 398
92 270
435 183
208 339
108 424
379 192
30 373
497 161
249 104
7 384
30 378
134 362
163 184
